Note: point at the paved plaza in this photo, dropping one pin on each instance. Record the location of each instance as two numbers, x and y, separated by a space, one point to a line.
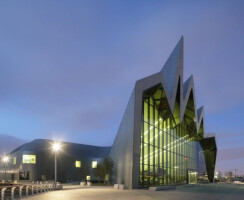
184 192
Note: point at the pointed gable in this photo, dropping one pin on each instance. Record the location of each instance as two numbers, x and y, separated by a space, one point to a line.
186 86
173 67
199 113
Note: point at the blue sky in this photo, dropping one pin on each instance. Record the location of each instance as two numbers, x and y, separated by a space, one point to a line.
67 68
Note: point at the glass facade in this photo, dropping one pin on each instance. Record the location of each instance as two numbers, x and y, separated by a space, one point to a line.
169 148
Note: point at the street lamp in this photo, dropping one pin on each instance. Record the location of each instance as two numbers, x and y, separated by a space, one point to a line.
5 160
56 147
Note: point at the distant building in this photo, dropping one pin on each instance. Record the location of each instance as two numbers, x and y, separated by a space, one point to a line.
160 141
34 161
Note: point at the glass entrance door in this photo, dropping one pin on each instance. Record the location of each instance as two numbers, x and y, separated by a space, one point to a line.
192 177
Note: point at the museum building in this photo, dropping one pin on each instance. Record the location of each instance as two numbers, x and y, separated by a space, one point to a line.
161 139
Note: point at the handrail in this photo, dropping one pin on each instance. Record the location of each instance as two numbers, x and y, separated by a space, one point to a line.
20 190
27 190
3 193
12 193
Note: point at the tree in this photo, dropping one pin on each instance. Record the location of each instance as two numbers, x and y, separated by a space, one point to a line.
104 170
108 166
229 174
98 172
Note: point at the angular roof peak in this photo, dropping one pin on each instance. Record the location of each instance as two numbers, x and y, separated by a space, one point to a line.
186 86
174 66
199 112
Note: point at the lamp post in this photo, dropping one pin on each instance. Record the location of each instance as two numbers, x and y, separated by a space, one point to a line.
56 148
5 160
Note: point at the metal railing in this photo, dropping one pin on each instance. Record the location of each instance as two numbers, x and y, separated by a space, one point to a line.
18 191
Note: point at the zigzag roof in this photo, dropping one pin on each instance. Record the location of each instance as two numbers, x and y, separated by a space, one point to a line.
170 75
127 144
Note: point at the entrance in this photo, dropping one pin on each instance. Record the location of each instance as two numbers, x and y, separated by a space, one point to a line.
192 177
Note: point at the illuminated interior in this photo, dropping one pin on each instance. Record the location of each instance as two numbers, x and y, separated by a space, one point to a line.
94 164
14 160
169 147
29 159
78 164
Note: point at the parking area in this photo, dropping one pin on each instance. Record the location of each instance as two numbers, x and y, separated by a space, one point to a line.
185 192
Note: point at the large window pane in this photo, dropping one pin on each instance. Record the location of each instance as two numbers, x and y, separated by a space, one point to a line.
29 159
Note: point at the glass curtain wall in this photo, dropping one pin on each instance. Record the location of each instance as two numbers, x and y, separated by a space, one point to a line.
168 150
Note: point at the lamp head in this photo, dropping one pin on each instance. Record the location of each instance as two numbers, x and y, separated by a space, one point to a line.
5 159
56 146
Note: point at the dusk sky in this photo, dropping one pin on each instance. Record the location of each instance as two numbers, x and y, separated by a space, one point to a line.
67 68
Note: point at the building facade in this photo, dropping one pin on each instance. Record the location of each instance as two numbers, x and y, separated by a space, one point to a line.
161 138
34 161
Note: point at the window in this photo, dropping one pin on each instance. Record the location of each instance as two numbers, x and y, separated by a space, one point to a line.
31 159
94 164
88 178
14 160
78 164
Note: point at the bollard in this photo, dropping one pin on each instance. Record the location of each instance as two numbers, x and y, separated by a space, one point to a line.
27 190
40 188
20 191
36 189
12 193
50 187
32 190
2 193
